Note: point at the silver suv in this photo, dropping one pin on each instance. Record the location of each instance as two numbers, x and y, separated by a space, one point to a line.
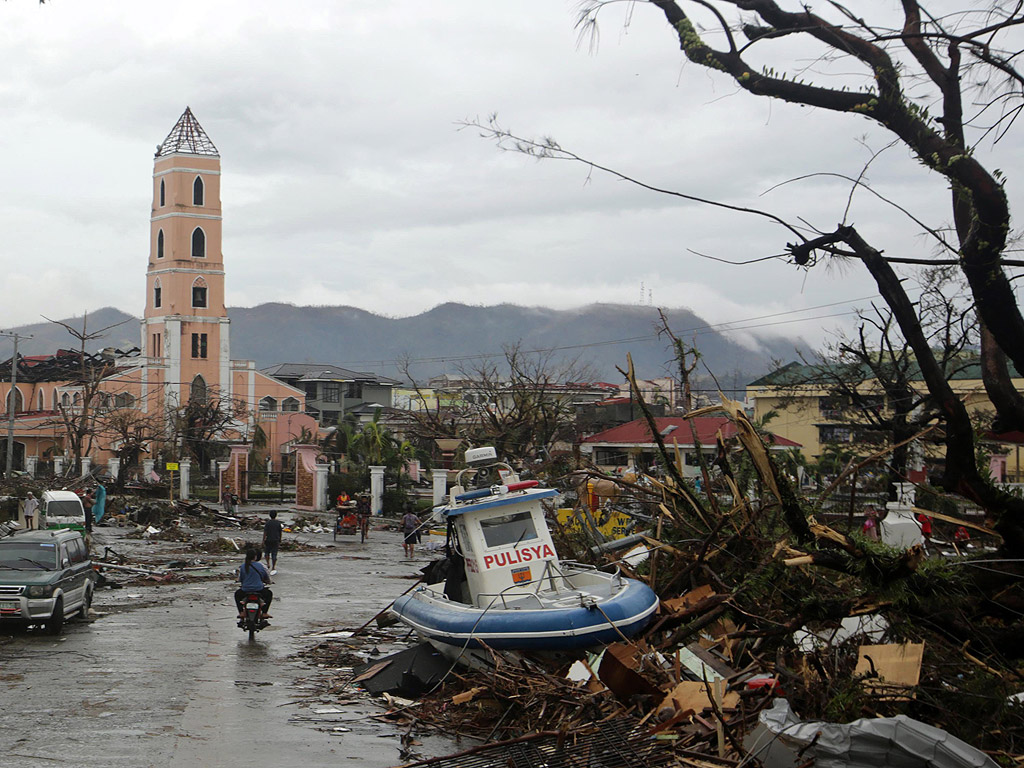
45 577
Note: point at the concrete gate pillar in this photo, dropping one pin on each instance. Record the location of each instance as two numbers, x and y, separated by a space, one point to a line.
440 478
184 471
86 465
376 490
58 465
147 468
235 472
32 465
310 479
114 467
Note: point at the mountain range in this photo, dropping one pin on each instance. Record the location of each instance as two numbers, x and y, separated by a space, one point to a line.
446 339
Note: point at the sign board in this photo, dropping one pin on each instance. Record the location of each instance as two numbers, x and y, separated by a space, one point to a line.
171 466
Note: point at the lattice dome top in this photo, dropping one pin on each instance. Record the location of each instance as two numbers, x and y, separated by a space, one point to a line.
187 136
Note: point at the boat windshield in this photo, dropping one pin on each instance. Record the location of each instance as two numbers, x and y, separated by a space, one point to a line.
508 529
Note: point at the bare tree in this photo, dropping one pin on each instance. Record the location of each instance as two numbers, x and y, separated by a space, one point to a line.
929 81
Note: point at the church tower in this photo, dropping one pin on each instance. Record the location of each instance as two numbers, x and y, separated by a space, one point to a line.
185 336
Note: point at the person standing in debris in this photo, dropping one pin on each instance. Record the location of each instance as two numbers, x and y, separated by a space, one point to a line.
254 580
870 527
410 529
272 531
88 500
29 510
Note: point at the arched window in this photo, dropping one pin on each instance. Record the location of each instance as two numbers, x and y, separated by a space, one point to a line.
77 400
18 400
65 400
123 400
290 404
42 401
160 244
199 293
162 193
197 191
157 293
56 400
198 392
268 404
198 243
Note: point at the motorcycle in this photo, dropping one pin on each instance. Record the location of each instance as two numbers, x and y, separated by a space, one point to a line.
252 620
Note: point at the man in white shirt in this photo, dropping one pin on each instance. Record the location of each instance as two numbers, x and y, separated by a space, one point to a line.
29 510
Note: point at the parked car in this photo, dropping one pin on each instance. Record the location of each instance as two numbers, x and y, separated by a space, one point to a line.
45 577
62 509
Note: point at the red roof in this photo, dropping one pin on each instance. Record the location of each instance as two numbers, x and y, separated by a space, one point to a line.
637 432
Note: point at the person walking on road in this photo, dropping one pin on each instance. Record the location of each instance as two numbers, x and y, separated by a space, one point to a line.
29 510
410 529
272 531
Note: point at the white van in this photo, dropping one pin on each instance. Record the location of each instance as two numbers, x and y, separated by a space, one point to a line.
61 509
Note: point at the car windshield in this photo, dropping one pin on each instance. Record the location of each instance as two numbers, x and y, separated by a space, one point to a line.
28 554
68 508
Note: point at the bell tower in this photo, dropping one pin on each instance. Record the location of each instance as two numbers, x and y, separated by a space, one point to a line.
185 336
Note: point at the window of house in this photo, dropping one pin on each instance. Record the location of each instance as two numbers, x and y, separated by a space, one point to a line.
65 400
268 404
158 349
354 390
199 345
124 400
610 457
199 293
41 400
332 392
197 191
160 244
157 293
310 389
290 404
198 243
162 193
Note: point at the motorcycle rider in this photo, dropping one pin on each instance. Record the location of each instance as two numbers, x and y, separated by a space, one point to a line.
254 579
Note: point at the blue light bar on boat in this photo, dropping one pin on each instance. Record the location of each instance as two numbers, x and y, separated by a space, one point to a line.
496 490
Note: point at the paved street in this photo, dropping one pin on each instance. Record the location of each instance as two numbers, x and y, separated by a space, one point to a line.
164 677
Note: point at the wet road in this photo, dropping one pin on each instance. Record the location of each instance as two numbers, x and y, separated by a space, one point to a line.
164 677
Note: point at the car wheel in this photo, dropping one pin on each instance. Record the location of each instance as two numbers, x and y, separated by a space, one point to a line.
83 612
55 623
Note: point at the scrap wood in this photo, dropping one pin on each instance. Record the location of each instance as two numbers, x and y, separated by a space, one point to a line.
472 693
688 600
696 696
887 668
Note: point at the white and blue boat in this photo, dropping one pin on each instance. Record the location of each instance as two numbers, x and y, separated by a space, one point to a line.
504 586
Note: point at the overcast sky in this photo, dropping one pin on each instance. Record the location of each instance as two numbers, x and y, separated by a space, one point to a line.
347 179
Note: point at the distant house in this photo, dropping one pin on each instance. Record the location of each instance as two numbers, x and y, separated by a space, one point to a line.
332 391
632 445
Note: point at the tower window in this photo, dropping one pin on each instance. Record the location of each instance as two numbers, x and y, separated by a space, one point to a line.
162 193
198 391
158 347
199 293
197 191
199 345
198 243
160 244
157 293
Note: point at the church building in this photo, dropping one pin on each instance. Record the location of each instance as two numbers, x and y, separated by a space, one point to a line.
185 352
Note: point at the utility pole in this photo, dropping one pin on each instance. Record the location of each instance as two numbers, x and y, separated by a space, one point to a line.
12 402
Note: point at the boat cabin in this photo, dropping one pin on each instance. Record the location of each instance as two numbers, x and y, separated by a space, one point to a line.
505 543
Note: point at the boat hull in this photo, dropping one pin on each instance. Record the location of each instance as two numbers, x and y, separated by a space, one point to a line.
566 626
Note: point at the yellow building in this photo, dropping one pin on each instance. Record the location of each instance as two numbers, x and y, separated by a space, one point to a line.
816 417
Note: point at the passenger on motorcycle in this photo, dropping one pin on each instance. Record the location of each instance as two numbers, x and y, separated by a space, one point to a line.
254 579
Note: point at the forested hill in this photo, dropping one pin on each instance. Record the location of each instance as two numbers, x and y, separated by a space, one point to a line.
441 339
